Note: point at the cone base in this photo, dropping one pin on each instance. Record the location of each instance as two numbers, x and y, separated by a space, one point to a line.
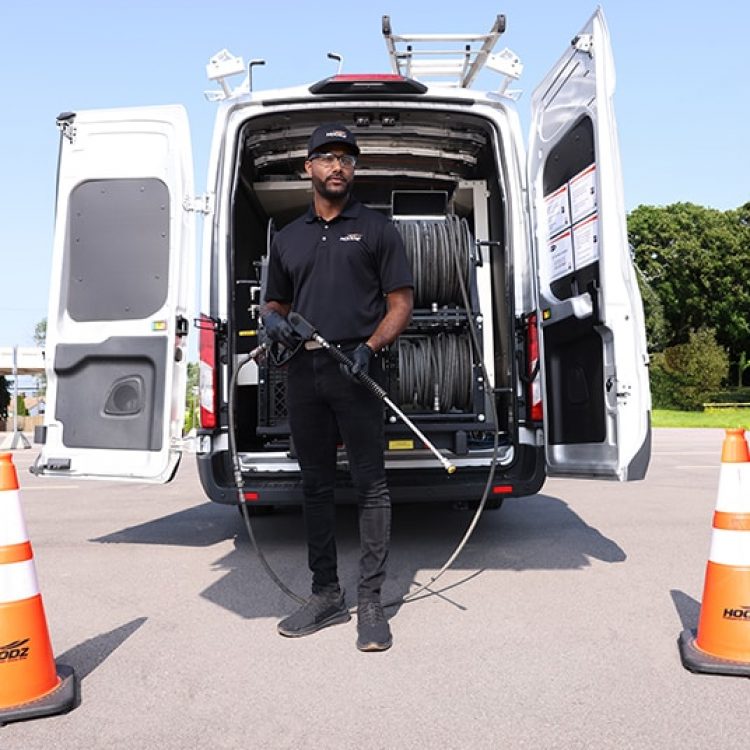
699 661
61 700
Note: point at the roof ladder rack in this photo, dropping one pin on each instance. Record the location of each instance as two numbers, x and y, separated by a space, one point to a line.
460 63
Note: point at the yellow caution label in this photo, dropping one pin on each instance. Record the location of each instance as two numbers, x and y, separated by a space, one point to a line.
248 333
400 445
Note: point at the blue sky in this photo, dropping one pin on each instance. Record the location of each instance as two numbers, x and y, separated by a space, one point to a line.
682 101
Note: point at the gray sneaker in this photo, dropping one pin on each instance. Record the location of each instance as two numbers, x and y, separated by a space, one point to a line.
373 633
319 611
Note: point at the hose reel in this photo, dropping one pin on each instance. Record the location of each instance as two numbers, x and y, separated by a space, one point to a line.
435 249
435 366
435 372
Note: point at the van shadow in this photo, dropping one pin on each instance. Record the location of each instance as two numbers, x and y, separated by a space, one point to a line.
534 533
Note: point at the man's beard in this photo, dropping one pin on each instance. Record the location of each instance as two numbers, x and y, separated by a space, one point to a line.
332 193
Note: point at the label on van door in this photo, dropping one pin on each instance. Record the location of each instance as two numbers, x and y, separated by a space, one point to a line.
583 194
561 255
585 241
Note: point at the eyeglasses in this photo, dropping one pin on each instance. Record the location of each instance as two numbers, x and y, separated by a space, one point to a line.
346 160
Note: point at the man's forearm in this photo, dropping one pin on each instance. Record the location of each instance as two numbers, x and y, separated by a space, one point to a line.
273 306
398 314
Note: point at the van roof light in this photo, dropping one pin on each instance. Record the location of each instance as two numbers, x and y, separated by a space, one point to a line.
368 83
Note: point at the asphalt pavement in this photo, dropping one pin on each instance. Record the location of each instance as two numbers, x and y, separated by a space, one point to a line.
556 628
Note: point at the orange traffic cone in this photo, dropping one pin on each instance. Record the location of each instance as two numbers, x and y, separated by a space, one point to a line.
30 684
722 644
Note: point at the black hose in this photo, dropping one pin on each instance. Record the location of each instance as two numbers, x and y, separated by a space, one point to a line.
432 247
435 371
239 483
454 236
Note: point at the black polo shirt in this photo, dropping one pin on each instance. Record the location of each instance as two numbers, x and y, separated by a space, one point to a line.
336 273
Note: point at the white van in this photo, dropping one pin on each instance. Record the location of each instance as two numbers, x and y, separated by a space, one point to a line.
538 237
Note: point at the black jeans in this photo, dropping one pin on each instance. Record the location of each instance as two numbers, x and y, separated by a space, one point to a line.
323 406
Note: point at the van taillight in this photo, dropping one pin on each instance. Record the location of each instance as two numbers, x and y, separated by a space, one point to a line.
207 371
502 489
532 360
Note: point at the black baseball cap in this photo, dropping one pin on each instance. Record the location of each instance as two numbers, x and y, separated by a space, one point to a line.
331 134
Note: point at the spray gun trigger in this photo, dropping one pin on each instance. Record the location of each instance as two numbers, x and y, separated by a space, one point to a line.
300 326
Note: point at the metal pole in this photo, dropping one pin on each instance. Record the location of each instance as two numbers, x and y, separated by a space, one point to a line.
15 390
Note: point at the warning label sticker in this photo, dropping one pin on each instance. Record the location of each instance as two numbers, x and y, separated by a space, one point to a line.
572 225
583 194
561 255
558 212
586 241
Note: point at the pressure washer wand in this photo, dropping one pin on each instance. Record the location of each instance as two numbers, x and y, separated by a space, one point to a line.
303 329
256 353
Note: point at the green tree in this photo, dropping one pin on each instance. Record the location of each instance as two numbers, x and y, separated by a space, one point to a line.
40 332
40 339
686 375
657 328
191 397
21 410
742 366
697 262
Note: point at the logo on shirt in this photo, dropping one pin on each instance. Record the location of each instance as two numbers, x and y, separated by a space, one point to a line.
352 237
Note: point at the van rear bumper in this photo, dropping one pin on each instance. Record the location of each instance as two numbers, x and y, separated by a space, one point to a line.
525 477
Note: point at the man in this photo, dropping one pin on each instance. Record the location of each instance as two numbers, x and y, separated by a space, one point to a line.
342 267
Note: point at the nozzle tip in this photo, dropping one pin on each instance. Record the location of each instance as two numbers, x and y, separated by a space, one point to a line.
451 469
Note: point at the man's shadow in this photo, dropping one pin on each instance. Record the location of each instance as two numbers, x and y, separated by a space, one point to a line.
534 533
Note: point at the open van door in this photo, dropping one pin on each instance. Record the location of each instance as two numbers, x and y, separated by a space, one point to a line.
596 395
121 287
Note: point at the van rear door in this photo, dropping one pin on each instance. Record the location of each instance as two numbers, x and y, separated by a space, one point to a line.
121 287
594 358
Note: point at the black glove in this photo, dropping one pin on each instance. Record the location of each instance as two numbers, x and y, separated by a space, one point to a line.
278 329
360 358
